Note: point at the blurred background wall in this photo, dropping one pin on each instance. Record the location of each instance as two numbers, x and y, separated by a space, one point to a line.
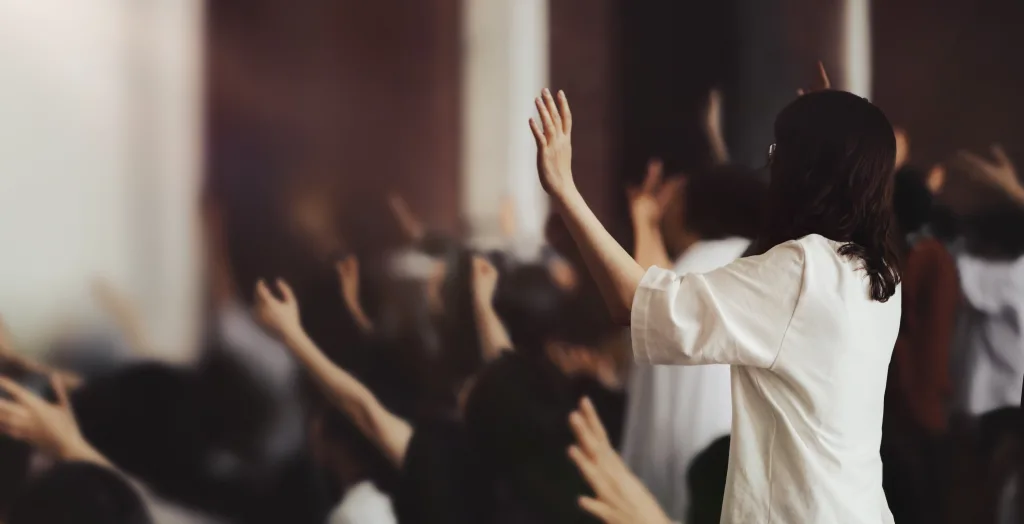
115 116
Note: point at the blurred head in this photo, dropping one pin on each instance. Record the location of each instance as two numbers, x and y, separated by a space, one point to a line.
78 492
832 175
911 200
725 201
15 458
528 300
517 416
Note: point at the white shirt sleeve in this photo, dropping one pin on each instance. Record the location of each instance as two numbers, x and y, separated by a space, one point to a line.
737 315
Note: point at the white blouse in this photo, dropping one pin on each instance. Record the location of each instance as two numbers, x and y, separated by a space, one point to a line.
809 352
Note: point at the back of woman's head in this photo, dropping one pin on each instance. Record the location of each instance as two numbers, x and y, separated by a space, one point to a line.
832 175
79 492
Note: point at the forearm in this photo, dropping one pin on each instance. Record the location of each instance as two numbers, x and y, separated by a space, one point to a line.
81 451
359 315
650 246
616 273
494 338
389 432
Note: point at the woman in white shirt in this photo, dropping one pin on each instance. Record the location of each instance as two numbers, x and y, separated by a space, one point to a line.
808 327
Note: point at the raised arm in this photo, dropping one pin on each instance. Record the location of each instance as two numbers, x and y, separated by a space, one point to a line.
281 316
1000 173
616 273
494 338
713 128
50 428
647 205
125 316
348 275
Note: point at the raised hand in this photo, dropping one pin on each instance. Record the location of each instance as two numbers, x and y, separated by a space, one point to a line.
821 82
348 275
713 127
902 147
411 225
494 338
936 178
554 144
49 427
485 279
1000 173
648 202
281 316
621 497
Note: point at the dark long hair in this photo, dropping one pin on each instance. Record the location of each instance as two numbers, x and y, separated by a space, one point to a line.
832 175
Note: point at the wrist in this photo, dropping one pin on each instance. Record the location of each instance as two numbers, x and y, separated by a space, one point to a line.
295 338
567 196
78 450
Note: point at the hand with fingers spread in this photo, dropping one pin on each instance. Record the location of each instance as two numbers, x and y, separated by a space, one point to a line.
648 202
49 427
821 82
554 143
620 496
348 275
999 173
279 315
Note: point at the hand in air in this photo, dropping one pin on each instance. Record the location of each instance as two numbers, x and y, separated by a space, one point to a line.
348 275
621 497
51 428
280 316
411 226
902 147
648 202
1000 173
821 82
554 145
485 279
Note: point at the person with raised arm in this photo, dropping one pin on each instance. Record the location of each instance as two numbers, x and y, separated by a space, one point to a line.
83 485
674 412
808 326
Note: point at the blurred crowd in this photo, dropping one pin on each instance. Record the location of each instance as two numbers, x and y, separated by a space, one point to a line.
439 383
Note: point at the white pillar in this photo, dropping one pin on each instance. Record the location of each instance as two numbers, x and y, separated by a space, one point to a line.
856 47
505 64
100 126
165 88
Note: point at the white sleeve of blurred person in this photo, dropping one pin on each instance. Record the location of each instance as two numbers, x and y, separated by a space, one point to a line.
280 316
51 429
364 504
